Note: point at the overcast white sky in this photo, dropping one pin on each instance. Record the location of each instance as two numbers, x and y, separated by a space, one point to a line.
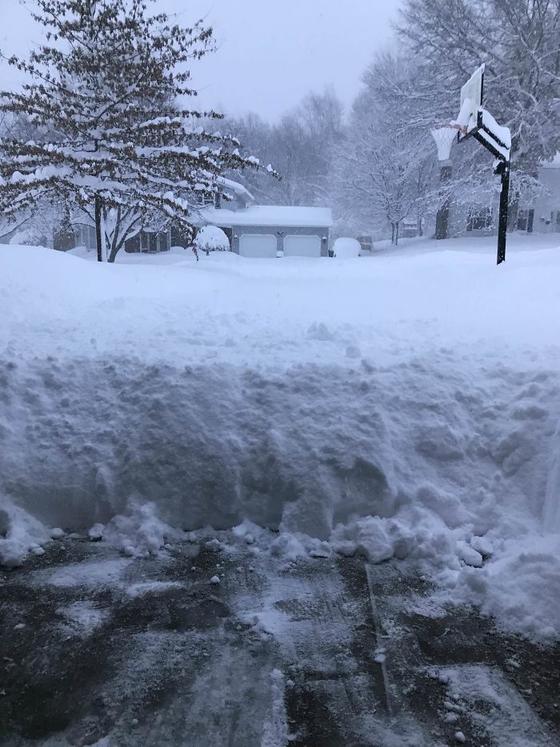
271 52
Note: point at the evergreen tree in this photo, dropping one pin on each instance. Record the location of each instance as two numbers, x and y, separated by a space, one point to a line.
106 91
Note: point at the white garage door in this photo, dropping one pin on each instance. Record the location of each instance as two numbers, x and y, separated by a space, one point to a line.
302 246
251 245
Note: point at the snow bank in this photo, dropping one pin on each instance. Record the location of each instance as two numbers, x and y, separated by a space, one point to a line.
552 496
400 406
521 588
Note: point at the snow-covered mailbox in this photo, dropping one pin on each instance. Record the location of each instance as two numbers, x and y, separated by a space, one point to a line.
271 230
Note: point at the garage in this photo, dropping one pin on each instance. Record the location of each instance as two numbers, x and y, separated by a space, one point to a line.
261 245
302 246
266 230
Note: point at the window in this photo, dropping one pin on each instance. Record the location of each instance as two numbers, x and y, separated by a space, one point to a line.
480 219
144 242
163 241
85 236
522 220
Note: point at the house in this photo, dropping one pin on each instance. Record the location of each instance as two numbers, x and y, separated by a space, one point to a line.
541 215
253 230
274 230
269 230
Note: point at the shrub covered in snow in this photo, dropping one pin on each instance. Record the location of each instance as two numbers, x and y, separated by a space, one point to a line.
212 239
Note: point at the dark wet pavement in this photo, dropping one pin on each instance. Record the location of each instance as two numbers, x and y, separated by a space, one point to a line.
97 649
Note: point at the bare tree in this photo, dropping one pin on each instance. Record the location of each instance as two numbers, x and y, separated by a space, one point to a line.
384 171
300 147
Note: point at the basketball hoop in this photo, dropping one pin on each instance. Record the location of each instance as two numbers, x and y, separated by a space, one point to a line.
476 122
444 138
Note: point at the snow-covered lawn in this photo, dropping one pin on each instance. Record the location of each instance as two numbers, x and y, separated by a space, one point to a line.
404 405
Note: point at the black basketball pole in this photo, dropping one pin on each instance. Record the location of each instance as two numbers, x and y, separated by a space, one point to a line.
98 236
502 169
503 217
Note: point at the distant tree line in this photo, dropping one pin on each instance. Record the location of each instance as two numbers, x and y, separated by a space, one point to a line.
99 129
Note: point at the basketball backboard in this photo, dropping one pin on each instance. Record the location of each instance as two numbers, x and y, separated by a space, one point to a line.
472 94
475 121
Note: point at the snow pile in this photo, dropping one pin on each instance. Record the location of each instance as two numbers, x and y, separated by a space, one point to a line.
521 588
138 532
20 533
344 248
552 496
212 239
400 407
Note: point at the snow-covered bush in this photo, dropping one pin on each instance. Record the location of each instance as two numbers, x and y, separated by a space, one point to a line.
212 239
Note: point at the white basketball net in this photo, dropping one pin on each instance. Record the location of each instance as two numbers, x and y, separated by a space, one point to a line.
444 137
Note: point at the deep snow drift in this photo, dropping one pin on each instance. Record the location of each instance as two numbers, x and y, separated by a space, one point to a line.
402 405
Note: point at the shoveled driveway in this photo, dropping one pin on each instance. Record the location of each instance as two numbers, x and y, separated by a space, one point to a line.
220 643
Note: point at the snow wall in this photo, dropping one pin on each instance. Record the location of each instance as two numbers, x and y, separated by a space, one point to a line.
552 498
303 449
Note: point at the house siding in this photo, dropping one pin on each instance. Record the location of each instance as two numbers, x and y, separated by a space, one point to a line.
547 205
540 216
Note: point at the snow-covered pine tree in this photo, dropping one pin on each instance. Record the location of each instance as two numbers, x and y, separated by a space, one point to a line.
109 86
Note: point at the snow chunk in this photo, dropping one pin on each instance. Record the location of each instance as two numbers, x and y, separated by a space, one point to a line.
320 331
520 588
482 545
20 533
95 533
139 532
375 538
469 555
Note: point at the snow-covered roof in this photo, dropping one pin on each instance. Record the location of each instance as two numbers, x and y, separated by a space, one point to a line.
271 215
